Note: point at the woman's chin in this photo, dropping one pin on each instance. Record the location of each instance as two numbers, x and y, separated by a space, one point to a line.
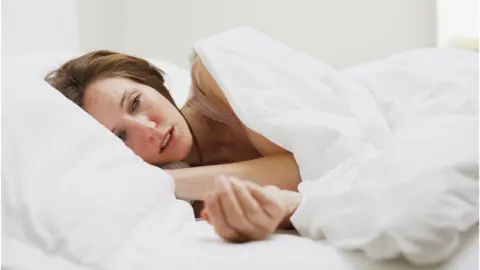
183 152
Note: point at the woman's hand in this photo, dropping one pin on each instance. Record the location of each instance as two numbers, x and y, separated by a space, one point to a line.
243 211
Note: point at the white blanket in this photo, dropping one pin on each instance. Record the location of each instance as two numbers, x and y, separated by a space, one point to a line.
388 151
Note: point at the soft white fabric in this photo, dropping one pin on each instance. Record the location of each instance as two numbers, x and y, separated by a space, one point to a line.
197 246
70 188
388 151
177 80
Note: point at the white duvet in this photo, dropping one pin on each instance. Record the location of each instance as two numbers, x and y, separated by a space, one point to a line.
388 151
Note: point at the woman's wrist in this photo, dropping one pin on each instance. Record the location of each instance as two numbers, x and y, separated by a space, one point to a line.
189 185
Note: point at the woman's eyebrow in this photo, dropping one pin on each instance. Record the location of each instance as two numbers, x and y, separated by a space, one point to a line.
122 101
122 104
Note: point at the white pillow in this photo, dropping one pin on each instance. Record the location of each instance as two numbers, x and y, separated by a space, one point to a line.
70 188
177 80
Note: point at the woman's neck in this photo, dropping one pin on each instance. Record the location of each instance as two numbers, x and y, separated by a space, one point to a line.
199 131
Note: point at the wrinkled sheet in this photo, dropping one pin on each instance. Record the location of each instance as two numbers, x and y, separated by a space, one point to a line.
387 151
198 247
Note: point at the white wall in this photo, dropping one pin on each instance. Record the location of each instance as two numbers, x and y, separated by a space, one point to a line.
341 32
100 24
457 20
46 25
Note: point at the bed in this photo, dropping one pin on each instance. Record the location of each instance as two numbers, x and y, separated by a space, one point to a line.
200 248
68 204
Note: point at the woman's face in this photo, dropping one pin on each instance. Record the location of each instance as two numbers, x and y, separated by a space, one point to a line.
145 120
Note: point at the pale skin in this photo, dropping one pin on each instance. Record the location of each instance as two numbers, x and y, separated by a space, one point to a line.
239 210
244 211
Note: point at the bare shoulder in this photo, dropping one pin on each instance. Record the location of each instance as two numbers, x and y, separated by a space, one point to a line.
204 82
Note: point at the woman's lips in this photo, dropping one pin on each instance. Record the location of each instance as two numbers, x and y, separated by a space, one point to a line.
167 140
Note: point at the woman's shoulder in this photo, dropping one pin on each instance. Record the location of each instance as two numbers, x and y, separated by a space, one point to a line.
214 100
205 89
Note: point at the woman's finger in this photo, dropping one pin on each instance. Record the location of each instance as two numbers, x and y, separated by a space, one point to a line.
217 219
205 216
233 212
271 207
204 212
252 209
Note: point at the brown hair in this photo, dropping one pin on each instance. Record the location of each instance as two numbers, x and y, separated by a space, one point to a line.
73 77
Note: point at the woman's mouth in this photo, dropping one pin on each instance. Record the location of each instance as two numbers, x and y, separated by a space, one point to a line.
166 141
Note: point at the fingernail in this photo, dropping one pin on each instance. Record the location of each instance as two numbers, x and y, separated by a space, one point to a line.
202 214
220 177
226 182
231 179
207 218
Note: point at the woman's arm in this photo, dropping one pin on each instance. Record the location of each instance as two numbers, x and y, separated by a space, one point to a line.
278 166
280 170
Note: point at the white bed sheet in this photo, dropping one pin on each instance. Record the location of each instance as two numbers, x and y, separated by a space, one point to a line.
202 249
199 248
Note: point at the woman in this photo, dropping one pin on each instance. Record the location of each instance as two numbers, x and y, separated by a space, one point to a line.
128 96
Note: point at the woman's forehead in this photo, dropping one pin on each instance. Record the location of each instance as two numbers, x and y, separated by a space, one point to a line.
103 92
110 87
103 98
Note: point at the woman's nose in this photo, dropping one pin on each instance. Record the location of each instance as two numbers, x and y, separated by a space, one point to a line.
146 129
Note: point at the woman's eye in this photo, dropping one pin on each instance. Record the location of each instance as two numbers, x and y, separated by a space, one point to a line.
135 103
122 135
